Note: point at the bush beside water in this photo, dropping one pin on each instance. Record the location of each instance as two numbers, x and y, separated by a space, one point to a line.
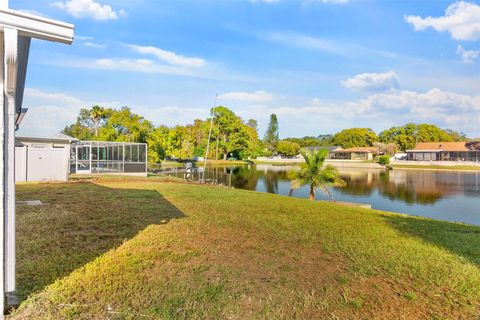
384 160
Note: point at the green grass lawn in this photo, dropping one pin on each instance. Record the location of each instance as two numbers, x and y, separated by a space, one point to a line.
434 167
148 249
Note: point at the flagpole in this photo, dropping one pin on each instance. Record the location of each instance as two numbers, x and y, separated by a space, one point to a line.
208 141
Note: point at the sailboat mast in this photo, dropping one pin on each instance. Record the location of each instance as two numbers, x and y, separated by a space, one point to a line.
209 136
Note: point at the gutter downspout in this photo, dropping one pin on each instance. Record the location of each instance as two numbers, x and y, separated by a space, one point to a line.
2 184
10 87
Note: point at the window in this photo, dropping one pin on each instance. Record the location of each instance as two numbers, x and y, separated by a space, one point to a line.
142 155
94 153
128 155
134 153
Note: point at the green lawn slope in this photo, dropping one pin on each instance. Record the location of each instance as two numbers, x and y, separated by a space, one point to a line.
146 249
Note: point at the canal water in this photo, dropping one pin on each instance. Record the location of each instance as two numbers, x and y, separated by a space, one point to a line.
453 196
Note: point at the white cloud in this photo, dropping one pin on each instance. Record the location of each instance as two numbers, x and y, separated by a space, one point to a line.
84 38
46 97
94 45
461 20
436 106
123 65
468 56
136 65
373 82
89 9
251 97
211 71
169 56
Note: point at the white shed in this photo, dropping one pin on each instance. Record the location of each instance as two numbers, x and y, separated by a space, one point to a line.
42 159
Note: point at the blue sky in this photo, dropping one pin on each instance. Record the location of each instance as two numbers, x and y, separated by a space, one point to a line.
320 65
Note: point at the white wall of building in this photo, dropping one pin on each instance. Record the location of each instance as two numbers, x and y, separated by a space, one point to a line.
41 164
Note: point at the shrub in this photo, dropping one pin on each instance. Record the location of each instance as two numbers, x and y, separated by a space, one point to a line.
384 160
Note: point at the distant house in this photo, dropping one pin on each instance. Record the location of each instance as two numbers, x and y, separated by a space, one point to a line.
355 153
445 151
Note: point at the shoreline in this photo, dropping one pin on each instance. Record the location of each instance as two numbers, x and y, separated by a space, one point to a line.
434 168
341 164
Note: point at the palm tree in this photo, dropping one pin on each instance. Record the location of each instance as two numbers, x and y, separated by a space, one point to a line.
314 174
97 113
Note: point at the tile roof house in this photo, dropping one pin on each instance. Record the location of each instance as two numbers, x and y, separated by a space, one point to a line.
445 151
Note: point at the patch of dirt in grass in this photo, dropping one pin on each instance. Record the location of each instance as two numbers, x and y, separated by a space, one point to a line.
382 298
269 277
266 275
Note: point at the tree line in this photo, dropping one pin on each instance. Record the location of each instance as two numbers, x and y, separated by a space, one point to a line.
233 137
230 137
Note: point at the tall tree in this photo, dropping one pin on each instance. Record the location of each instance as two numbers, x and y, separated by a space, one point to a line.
309 141
252 123
83 128
158 144
271 137
232 133
456 135
97 113
386 148
407 136
253 144
124 125
355 137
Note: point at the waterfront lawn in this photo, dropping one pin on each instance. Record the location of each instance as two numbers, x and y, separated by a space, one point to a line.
146 249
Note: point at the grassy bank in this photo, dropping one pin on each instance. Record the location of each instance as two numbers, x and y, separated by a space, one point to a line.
434 167
146 249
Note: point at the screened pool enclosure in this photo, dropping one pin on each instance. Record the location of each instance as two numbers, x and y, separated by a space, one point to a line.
108 157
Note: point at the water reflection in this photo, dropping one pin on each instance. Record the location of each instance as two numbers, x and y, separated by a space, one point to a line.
445 195
410 187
